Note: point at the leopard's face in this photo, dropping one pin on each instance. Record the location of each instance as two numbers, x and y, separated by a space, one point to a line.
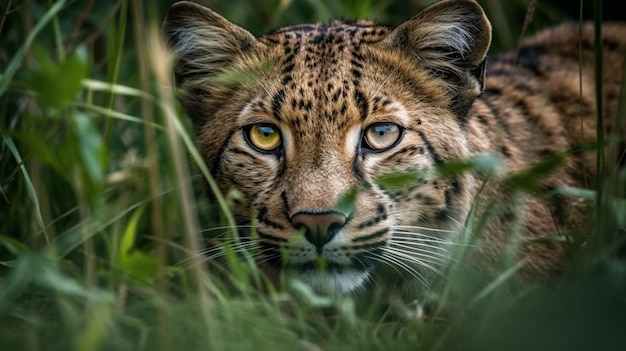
314 130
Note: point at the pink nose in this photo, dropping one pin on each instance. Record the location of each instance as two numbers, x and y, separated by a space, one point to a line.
319 227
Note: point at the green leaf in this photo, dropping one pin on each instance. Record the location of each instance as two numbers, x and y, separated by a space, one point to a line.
575 192
130 235
13 245
400 179
90 148
96 329
528 180
347 201
243 76
619 210
16 61
37 145
27 179
57 85
488 164
132 261
51 278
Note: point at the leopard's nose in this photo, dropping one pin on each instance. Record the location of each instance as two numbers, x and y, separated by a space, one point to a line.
319 228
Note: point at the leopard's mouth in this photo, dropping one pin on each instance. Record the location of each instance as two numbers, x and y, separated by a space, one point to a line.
329 276
333 269
333 279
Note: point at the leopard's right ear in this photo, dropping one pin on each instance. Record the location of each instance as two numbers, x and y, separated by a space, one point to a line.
204 43
450 38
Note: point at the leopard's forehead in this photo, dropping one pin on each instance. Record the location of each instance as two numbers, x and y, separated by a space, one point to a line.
322 74
326 35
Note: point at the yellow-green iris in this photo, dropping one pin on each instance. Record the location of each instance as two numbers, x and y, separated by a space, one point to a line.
382 135
264 136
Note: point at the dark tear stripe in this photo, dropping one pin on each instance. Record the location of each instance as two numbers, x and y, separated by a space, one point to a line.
456 186
283 196
216 162
375 235
429 147
355 167
442 214
277 103
361 103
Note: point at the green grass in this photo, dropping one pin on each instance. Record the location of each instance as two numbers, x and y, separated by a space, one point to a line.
100 222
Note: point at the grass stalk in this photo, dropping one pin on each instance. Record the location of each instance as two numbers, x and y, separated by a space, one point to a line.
599 99
17 59
162 67
58 40
115 63
154 179
30 188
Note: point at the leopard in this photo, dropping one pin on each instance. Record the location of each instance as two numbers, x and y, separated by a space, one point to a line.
336 135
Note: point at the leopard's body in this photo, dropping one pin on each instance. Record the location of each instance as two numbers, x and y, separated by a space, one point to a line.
305 121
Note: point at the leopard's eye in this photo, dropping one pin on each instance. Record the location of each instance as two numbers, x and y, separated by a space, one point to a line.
381 136
263 136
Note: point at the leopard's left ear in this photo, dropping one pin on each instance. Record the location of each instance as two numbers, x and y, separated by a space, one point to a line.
451 39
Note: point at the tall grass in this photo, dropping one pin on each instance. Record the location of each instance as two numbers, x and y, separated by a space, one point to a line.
101 224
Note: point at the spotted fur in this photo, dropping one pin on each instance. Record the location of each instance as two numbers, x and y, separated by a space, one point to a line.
323 85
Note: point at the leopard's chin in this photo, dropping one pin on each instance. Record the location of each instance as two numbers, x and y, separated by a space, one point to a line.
335 282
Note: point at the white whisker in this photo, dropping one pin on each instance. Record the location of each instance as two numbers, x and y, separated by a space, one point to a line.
391 257
414 227
382 259
420 250
419 254
398 255
225 227
211 253
409 238
384 82
418 240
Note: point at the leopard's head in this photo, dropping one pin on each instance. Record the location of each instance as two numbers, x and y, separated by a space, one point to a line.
310 122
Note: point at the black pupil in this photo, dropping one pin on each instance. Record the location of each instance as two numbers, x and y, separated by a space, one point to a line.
266 131
381 130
